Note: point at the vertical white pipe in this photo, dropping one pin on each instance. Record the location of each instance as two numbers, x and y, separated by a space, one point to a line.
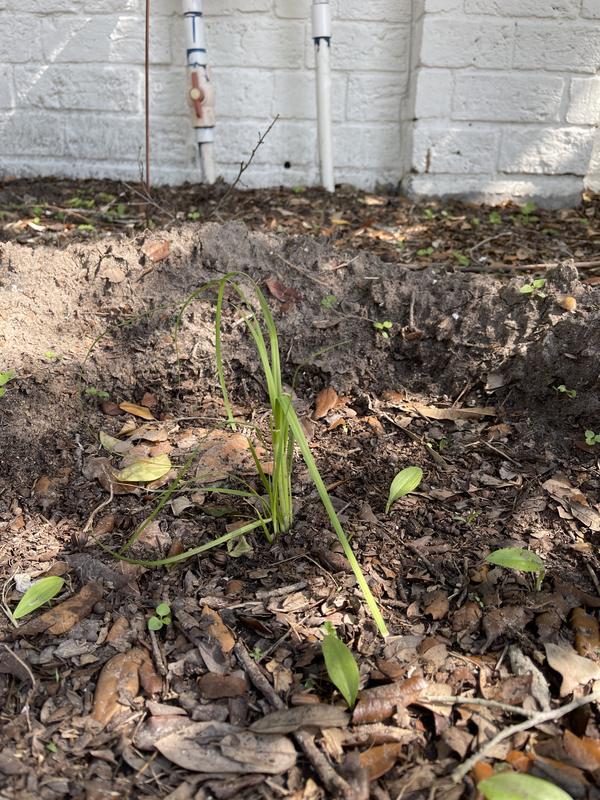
321 32
201 96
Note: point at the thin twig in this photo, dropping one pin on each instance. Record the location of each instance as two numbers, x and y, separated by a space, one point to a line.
147 97
243 167
540 717
478 701
333 782
102 505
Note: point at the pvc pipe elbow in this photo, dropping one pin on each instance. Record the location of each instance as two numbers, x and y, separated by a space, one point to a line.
321 19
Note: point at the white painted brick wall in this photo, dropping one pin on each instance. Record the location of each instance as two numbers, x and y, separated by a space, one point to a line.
475 97
508 99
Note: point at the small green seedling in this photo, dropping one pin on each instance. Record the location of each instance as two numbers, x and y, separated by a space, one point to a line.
592 438
429 213
470 518
518 786
38 594
340 664
50 355
86 227
562 389
5 377
521 560
329 301
194 216
382 328
527 210
534 287
495 218
425 251
406 481
462 259
91 391
161 618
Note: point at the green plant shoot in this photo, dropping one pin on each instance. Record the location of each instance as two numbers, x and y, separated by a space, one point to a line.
5 377
341 666
383 327
562 389
520 560
406 481
592 438
161 618
37 595
534 287
516 786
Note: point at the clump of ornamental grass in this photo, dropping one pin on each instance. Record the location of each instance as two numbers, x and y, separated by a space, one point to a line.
274 508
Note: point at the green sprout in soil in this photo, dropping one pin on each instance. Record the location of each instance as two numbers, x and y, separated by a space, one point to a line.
406 481
161 617
340 664
562 389
382 328
425 251
470 518
329 301
534 288
520 560
495 218
462 259
592 438
272 500
91 391
193 216
5 377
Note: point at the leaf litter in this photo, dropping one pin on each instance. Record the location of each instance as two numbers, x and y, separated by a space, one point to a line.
467 632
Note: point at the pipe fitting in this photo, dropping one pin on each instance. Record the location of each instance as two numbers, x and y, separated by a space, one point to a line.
321 20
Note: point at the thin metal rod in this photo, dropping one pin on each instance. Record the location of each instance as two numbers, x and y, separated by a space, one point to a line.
147 94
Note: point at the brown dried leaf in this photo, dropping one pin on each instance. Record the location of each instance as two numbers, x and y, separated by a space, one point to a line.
137 411
315 715
575 669
214 626
64 616
587 632
379 703
157 250
326 401
583 751
214 686
433 412
437 604
118 680
157 727
285 294
149 678
379 760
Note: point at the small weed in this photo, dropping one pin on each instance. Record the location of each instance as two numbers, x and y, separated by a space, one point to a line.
340 664
382 328
495 218
475 222
298 190
329 301
193 216
534 287
562 389
592 438
161 618
103 197
79 202
406 481
462 259
425 251
429 214
5 377
470 518
37 211
91 391
256 654
86 226
50 355
51 747
520 560
528 209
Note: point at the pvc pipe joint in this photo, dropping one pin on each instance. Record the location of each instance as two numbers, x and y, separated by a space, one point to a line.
321 20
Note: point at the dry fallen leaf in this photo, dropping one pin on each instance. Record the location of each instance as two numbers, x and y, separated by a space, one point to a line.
137 411
432 412
379 760
214 685
214 626
583 751
63 617
318 715
379 703
587 632
285 294
157 250
119 680
327 399
575 669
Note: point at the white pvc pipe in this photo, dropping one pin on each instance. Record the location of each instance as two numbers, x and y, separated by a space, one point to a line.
321 33
201 95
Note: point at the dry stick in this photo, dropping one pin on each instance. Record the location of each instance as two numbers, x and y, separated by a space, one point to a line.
147 97
333 782
543 265
540 717
243 167
477 701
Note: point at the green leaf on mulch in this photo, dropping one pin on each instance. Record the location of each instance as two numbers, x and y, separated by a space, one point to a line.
38 594
514 786
341 666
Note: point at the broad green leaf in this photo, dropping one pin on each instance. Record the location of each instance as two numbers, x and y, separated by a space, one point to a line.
341 667
108 442
538 283
144 470
5 377
516 558
405 481
38 593
527 289
163 609
155 624
515 786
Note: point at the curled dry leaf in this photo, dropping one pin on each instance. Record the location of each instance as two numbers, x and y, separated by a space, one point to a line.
583 751
379 703
326 401
214 626
285 294
137 411
220 747
213 685
157 250
317 715
149 678
119 680
433 412
575 669
567 301
379 760
63 617
587 632
157 727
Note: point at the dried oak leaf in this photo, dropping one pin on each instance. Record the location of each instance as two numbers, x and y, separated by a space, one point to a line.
587 632
285 294
575 669
118 681
157 250
64 616
583 751
379 760
379 703
326 401
318 715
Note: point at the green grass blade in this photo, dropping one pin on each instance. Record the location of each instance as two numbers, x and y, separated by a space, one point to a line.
325 499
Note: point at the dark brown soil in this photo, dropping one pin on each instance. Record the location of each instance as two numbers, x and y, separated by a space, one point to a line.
98 316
